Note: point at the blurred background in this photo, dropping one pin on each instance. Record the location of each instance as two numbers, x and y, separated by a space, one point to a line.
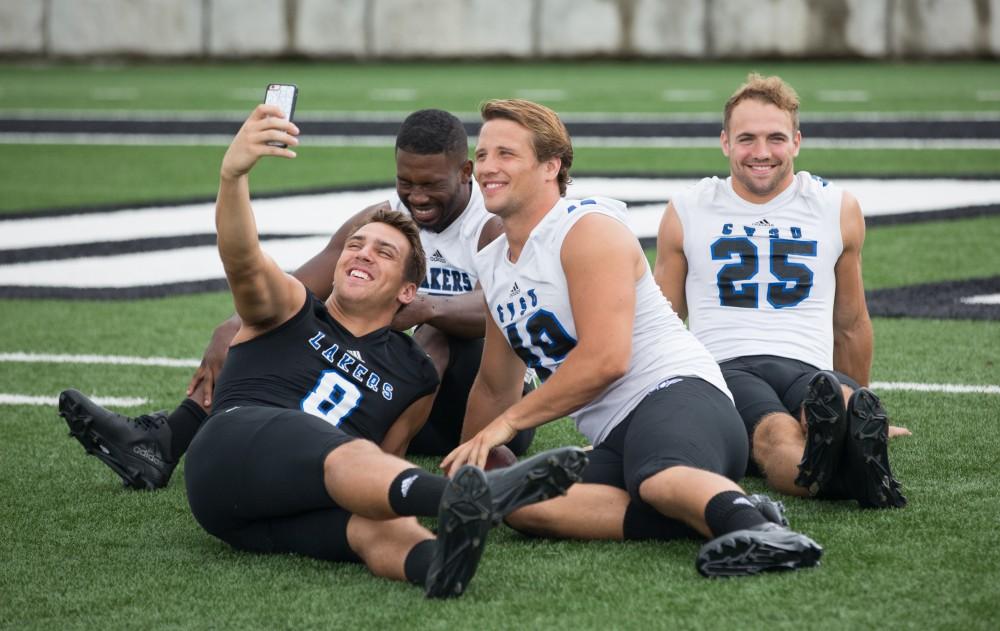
488 29
114 117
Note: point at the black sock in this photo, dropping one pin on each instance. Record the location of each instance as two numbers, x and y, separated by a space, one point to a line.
729 511
184 423
418 561
416 492
643 522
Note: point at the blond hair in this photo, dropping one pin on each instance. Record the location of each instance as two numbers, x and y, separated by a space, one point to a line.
549 137
771 90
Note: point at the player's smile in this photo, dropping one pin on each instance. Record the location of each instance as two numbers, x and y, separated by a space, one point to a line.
761 144
355 272
432 187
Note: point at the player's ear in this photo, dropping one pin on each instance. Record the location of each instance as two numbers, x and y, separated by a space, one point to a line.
466 171
552 166
724 141
796 143
407 293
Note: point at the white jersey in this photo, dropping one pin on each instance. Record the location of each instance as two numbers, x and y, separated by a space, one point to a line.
451 252
529 302
760 277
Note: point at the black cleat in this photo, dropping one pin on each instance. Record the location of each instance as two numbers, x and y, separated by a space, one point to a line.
464 519
134 448
535 479
867 455
772 511
764 548
826 428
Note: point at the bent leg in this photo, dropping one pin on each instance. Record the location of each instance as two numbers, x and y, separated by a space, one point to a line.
777 446
683 493
587 511
360 477
384 545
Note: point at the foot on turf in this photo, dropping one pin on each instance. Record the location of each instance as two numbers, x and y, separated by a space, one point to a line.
464 519
764 548
867 455
535 479
772 511
134 448
826 428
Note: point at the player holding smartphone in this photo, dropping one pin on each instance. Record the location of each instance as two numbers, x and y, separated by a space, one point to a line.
284 96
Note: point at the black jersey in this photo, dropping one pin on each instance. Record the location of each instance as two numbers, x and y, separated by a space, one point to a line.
312 363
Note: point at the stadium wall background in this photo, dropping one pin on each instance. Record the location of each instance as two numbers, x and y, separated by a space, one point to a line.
515 29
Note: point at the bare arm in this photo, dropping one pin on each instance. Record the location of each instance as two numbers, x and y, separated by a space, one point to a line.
316 274
263 294
853 340
397 439
461 315
670 270
602 262
498 385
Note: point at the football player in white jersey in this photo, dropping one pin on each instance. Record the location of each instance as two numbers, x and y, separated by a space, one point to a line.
766 266
570 293
434 185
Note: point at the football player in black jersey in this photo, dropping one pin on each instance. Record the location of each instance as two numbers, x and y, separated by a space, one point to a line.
434 177
289 459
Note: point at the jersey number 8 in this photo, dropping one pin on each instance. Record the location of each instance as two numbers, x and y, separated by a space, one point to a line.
333 398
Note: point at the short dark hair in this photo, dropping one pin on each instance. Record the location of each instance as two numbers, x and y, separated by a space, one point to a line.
548 133
430 132
415 269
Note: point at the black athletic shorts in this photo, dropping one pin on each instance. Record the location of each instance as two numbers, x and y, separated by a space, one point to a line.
765 384
255 480
443 429
688 423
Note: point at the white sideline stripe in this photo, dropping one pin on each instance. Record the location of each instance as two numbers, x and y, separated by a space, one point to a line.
951 388
985 299
656 142
192 363
24 399
99 359
473 116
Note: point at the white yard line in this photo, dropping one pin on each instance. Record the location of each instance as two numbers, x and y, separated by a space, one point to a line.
398 115
24 399
125 360
626 142
984 299
107 360
949 388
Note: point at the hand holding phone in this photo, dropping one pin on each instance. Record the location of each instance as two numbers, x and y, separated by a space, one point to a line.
284 96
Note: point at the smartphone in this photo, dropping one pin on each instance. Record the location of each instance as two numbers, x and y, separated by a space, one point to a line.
283 95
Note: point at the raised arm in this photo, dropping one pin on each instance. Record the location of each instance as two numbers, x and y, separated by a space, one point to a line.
670 270
316 274
602 262
263 294
853 339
